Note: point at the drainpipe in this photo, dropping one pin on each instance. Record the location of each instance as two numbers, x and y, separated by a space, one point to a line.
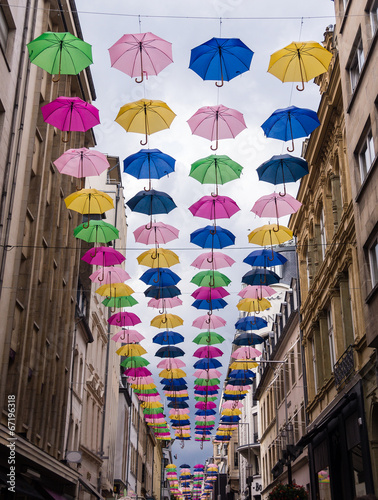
128 445
137 456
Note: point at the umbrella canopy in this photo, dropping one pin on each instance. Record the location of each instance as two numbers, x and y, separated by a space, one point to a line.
207 293
124 319
212 237
145 117
214 207
169 352
209 305
82 162
210 278
176 373
149 164
170 363
282 169
127 336
253 305
207 374
168 337
243 364
207 363
161 276
115 290
134 362
210 322
245 352
165 303
276 205
290 123
215 169
160 292
167 321
156 234
89 201
158 257
207 352
212 260
208 338
123 301
131 350
60 53
299 62
151 202
270 235
137 372
248 339
109 274
250 323
216 122
260 276
264 258
141 54
220 59
96 231
256 292
103 256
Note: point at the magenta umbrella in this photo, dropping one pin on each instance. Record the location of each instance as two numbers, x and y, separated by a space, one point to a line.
257 292
109 274
170 363
275 205
211 373
103 256
158 233
206 293
208 351
82 162
153 416
140 371
124 319
206 387
205 406
217 122
141 54
214 207
70 114
165 303
127 336
209 321
212 260
246 352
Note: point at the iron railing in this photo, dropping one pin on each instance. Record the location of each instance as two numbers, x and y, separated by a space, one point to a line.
344 368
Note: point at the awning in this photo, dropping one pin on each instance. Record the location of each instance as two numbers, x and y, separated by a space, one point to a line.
22 487
91 489
55 496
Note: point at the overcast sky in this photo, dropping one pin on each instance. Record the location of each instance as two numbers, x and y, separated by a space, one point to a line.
264 27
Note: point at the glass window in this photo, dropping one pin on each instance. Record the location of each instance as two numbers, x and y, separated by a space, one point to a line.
356 63
373 17
373 262
366 154
324 485
331 338
323 240
4 30
314 364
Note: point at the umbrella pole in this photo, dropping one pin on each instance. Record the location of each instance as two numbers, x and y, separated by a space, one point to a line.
271 246
300 68
141 65
86 224
216 180
221 68
278 224
292 138
283 180
149 226
216 133
145 125
60 61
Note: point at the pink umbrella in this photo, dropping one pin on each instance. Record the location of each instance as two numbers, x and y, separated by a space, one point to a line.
110 275
206 293
103 256
82 162
165 303
181 411
124 319
257 292
205 406
127 336
211 373
141 380
141 54
212 260
245 352
214 207
149 397
232 404
275 205
209 321
141 371
176 394
230 387
169 363
70 114
208 351
217 122
157 234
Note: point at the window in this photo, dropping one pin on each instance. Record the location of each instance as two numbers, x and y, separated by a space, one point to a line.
331 338
4 30
366 154
314 364
373 13
373 262
236 456
357 60
323 240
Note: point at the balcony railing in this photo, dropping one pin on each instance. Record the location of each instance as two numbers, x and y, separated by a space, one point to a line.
344 368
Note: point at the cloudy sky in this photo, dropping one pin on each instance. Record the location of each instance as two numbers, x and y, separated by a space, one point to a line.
264 27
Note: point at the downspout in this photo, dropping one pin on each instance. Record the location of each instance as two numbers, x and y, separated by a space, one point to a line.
137 456
128 446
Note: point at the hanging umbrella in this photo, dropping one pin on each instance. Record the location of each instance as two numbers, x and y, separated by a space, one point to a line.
166 321
253 305
149 164
160 292
207 352
137 372
212 373
208 338
141 54
156 234
164 277
134 362
207 293
164 303
60 53
158 257
89 201
127 336
256 292
220 59
270 235
211 322
243 364
70 114
263 258
115 290
111 274
206 382
216 122
260 276
131 350
216 170
210 279
212 237
145 117
151 202
290 123
212 260
299 62
178 405
282 169
175 373
214 207
209 305
169 352
171 363
123 301
276 205
250 323
168 337
248 339
96 231
245 352
103 256
207 363
124 319
81 162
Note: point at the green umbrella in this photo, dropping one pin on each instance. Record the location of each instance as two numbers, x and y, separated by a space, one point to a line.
151 411
60 53
206 422
210 278
207 381
134 362
206 398
96 231
145 391
208 338
215 169
126 301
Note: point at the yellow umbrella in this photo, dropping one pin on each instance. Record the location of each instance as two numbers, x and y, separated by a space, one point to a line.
270 234
131 350
234 393
143 386
243 365
145 117
179 417
89 201
174 373
115 290
228 411
151 404
166 321
299 62
160 257
253 305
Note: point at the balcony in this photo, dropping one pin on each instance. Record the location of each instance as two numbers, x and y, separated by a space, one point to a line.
344 368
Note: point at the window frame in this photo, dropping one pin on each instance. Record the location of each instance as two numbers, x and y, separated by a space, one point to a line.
356 62
366 151
331 337
373 261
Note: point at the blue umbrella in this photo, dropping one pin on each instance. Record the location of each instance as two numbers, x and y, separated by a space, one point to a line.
233 397
209 305
174 388
260 277
180 423
151 202
202 392
169 352
149 164
207 363
229 418
161 275
241 374
281 169
211 237
177 404
168 337
173 381
263 258
220 59
248 339
185 466
250 323
205 412
240 381
162 292
290 123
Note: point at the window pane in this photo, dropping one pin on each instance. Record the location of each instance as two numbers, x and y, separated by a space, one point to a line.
3 30
373 258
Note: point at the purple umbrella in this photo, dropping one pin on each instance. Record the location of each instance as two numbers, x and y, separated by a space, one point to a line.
214 207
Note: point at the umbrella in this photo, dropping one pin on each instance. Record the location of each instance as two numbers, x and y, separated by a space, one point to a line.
123 301
250 323
206 381
149 164
124 319
212 373
207 363
158 257
216 122
141 54
212 237
299 62
214 207
248 339
211 322
156 234
89 201
151 202
253 305
245 352
111 274
134 362
168 337
210 279
70 114
263 258
208 338
127 336
207 352
96 231
207 293
290 123
243 364
160 292
185 466
145 117
175 373
178 405
282 169
256 292
215 170
165 277
212 260
103 256
82 162
270 235
260 276
276 205
115 290
164 303
60 53
137 372
131 350
166 321
169 352
209 305
173 381
171 363
220 59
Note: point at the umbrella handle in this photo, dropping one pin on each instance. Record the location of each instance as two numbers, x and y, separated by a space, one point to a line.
67 137
156 255
216 146
143 143
214 195
148 226
284 193
300 89
141 78
292 146
161 311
